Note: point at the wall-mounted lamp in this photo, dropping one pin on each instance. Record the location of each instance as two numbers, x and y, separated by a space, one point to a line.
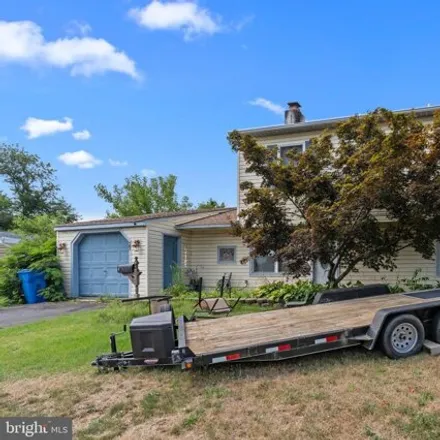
136 244
62 246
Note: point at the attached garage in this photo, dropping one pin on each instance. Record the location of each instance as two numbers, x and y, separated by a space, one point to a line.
98 257
90 252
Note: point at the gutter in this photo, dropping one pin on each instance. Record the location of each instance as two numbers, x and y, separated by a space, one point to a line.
224 226
319 124
102 226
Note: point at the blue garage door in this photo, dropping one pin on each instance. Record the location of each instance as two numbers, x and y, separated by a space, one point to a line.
98 257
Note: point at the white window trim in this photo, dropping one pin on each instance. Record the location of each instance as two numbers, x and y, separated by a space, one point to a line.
252 272
291 143
223 246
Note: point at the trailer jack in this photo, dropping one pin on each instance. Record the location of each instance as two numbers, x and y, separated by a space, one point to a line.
113 346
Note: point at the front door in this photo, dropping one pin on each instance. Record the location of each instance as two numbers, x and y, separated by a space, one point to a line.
170 258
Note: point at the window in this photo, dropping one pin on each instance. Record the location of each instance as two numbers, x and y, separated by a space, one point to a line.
226 254
265 265
274 150
285 150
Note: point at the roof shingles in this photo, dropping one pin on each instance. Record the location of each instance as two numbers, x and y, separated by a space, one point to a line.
222 219
141 218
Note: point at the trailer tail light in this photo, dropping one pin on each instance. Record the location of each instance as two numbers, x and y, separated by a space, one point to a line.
327 339
188 365
229 357
233 357
278 348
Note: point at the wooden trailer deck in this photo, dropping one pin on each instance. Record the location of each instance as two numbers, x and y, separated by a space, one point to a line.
236 332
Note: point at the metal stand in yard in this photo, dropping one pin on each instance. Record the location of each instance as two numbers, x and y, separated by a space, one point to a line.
132 272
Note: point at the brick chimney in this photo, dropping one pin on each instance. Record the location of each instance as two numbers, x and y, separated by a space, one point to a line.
293 115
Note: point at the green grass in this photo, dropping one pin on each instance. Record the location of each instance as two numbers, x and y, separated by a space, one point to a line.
71 342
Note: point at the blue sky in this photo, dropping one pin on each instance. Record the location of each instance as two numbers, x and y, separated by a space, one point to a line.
159 84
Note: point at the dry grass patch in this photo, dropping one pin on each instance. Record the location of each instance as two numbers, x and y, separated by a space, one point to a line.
348 395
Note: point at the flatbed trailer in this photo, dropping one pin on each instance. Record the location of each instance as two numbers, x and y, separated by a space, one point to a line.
400 322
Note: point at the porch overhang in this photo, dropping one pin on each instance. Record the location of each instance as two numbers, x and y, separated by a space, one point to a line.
222 220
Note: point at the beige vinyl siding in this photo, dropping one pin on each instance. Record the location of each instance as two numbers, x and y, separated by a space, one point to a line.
202 255
407 262
244 176
131 234
65 256
156 230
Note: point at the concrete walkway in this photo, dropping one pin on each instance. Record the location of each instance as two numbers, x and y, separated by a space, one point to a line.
17 315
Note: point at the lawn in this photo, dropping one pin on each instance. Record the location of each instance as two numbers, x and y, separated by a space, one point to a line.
353 394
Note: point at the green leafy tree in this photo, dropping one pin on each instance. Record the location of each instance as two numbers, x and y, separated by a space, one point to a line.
6 213
324 205
39 226
32 184
140 195
210 204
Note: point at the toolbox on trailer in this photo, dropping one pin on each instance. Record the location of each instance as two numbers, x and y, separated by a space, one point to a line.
152 336
401 322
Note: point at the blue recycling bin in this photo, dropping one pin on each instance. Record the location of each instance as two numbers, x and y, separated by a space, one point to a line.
32 282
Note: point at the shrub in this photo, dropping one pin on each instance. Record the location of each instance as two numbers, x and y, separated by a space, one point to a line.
299 291
37 254
416 282
36 251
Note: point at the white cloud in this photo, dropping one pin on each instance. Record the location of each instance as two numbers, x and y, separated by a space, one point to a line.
81 159
77 27
240 25
118 163
149 173
186 16
23 42
268 105
83 135
35 127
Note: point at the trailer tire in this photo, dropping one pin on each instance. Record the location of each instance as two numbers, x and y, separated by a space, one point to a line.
436 328
403 336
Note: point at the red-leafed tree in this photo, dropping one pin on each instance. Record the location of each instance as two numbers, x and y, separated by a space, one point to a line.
323 204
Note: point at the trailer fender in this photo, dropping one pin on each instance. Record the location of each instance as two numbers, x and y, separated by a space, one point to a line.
381 317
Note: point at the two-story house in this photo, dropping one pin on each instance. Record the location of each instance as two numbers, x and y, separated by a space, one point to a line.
200 240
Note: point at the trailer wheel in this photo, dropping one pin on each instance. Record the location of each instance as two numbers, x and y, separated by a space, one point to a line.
436 328
403 336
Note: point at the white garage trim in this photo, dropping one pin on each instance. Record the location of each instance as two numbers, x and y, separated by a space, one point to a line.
74 287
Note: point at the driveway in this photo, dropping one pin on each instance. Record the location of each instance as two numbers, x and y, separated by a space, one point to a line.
17 315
